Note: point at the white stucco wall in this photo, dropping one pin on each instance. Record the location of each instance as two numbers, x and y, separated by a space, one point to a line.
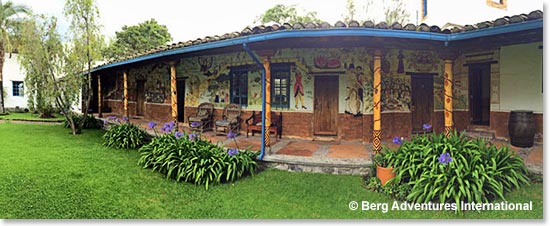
521 77
13 72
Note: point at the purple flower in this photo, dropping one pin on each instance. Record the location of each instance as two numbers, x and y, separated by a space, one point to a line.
398 140
445 158
426 126
124 118
168 127
152 125
178 134
231 135
112 118
232 151
192 136
195 124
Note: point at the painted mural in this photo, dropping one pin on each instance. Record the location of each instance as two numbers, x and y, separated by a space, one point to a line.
156 81
208 78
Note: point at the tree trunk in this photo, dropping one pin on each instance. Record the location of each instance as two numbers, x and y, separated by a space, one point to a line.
2 53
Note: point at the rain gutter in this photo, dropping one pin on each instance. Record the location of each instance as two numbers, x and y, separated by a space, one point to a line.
255 58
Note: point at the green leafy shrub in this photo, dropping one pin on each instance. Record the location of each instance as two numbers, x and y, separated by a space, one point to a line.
90 122
455 169
185 157
125 136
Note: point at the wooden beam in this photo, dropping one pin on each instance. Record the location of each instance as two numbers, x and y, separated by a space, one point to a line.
125 80
448 86
174 92
377 92
267 100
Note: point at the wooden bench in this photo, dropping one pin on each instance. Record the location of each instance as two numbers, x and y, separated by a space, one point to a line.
254 124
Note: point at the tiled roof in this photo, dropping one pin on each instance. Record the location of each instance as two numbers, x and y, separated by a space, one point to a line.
535 15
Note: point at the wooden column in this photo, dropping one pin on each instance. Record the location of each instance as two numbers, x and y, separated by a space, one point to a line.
99 97
377 92
125 80
267 100
448 86
173 91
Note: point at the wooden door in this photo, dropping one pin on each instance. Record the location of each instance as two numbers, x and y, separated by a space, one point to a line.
325 107
422 98
140 97
180 86
480 93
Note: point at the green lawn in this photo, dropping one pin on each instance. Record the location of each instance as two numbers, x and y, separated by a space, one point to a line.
48 173
31 117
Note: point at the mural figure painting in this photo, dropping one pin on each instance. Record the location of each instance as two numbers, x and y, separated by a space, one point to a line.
298 90
354 100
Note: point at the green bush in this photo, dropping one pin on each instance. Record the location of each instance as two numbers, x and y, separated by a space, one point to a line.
187 158
472 171
90 121
125 136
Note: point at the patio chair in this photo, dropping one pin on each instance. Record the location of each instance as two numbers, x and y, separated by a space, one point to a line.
254 124
231 120
203 118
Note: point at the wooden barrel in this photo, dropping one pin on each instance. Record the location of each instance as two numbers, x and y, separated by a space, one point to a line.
521 127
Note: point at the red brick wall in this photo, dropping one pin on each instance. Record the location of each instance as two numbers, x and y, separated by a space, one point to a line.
395 124
158 112
461 120
351 128
298 124
499 123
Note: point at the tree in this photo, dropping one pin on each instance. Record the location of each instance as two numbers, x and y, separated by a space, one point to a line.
137 38
286 14
396 11
350 11
86 45
8 11
44 58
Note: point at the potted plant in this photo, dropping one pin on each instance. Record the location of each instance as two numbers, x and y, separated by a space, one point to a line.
384 172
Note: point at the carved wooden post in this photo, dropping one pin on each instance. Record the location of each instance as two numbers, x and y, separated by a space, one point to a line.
267 100
99 97
125 80
174 92
448 85
376 133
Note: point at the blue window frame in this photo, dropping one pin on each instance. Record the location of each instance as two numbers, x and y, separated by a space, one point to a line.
280 85
239 85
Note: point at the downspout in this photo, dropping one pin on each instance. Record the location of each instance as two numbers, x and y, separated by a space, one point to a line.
253 56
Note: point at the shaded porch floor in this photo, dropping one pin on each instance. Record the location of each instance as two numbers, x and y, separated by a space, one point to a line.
336 157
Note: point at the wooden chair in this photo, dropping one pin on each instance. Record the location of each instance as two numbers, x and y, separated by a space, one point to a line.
231 120
205 112
254 123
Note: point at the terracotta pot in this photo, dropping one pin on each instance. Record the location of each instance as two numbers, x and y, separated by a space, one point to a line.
384 174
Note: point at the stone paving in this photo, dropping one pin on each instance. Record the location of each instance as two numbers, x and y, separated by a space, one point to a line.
339 157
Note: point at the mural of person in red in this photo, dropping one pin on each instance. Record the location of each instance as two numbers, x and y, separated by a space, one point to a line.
298 90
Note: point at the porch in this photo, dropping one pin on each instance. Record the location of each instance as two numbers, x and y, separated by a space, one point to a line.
333 157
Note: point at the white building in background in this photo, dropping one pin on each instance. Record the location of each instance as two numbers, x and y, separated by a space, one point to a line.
14 83
463 12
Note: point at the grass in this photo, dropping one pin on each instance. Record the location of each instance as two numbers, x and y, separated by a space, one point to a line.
31 117
51 174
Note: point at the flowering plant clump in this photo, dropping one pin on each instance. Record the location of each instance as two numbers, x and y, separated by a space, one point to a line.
187 157
455 169
125 135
